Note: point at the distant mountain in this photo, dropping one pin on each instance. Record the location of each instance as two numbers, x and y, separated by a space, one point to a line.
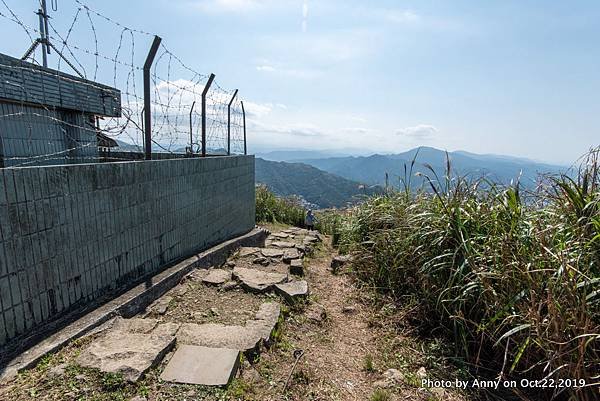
315 186
372 169
293 155
127 147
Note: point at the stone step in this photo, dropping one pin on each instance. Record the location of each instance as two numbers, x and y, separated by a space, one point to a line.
281 235
258 281
247 251
202 365
272 253
130 347
297 267
160 306
216 335
310 240
293 291
217 277
339 261
296 230
267 317
246 338
291 254
283 244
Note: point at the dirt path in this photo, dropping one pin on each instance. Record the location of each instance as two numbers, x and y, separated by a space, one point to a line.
347 351
336 349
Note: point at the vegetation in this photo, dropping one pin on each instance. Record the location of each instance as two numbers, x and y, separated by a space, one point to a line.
513 277
380 395
272 209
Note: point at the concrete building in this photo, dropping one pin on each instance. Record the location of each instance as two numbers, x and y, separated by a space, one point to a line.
49 117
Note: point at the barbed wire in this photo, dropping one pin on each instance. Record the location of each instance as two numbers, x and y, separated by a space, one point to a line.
17 20
176 90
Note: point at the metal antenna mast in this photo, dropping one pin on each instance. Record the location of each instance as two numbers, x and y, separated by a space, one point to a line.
44 38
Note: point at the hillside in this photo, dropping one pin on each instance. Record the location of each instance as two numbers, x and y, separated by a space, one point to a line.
372 169
315 186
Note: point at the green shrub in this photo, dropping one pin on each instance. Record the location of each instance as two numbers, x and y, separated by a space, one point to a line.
272 209
512 277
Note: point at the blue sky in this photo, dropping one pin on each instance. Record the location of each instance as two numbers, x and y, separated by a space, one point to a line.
506 77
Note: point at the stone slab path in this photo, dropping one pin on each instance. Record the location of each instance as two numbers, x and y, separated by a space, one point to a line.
195 334
131 347
202 365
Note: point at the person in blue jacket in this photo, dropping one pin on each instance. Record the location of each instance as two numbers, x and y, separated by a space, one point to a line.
310 220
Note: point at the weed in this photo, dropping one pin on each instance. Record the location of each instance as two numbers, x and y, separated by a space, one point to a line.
380 395
240 389
301 376
112 381
368 364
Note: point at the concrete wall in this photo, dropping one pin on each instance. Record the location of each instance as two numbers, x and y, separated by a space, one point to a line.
36 136
73 233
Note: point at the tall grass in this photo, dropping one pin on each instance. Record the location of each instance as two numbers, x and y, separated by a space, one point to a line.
272 209
513 277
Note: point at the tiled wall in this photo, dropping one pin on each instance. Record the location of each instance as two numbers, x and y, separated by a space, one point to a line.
35 136
72 233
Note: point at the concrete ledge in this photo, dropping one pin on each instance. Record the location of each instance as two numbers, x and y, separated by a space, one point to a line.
128 304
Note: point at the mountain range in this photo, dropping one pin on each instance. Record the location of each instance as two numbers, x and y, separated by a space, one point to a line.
372 169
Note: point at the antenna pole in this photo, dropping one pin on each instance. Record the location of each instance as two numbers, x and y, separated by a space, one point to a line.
43 39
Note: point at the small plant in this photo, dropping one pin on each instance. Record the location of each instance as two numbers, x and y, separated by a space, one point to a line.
380 395
240 389
368 364
112 381
45 362
301 376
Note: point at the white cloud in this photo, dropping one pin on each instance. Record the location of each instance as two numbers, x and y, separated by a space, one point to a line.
258 110
400 16
237 6
288 72
358 119
357 130
305 16
293 130
421 131
265 68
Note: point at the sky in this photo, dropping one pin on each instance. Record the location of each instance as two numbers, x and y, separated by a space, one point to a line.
508 77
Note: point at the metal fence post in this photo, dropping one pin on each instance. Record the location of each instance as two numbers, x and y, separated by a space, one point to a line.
244 116
147 105
229 122
204 92
191 129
